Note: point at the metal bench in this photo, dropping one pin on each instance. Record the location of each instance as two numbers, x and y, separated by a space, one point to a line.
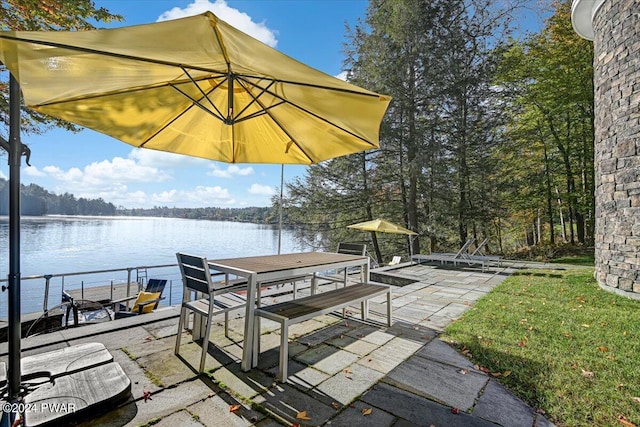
292 312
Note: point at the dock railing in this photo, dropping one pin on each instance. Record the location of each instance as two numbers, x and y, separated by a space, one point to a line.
55 284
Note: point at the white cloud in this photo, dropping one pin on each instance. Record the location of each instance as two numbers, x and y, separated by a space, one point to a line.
198 197
342 76
230 171
234 17
262 190
107 179
156 158
29 171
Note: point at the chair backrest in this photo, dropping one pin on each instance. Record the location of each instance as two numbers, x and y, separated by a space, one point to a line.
481 246
195 273
352 248
396 260
465 248
155 285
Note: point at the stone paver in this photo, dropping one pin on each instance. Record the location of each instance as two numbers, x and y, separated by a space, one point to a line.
350 383
418 411
438 381
498 405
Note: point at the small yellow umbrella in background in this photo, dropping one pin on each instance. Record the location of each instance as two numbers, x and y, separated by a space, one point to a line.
384 226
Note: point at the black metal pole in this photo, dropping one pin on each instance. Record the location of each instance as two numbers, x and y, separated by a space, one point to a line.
15 158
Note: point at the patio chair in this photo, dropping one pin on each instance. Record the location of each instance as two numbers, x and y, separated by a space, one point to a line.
145 302
396 260
199 297
341 276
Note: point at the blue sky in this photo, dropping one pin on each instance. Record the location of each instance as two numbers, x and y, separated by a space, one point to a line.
89 164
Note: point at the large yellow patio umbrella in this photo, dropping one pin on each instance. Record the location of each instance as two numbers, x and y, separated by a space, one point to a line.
194 86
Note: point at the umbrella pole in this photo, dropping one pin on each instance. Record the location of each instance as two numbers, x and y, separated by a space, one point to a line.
15 153
280 210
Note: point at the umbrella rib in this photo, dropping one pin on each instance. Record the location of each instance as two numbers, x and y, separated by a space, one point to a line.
197 103
311 113
267 111
205 95
253 100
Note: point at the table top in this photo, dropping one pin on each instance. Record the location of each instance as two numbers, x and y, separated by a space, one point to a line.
270 263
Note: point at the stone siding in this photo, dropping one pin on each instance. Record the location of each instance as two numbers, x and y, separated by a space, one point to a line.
617 145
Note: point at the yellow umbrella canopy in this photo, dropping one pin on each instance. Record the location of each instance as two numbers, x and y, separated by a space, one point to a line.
382 226
195 86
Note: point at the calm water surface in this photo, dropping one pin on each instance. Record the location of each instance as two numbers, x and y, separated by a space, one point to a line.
54 245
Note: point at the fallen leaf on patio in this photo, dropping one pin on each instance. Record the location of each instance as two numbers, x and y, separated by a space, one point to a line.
496 374
603 349
625 422
455 410
302 415
234 408
335 405
149 338
587 374
352 406
211 394
541 411
146 394
367 411
636 399
463 371
347 371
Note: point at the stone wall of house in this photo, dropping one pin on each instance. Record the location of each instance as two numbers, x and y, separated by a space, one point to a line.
617 145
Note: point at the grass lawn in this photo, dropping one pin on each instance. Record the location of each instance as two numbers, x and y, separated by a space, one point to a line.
565 346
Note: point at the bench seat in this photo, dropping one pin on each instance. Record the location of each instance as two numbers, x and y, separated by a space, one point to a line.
292 312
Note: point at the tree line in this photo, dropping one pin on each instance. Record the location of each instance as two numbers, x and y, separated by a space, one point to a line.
36 201
258 215
487 136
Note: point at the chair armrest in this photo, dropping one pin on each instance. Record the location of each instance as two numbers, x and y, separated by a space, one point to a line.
139 306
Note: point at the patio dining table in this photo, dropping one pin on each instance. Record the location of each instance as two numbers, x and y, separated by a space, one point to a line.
272 268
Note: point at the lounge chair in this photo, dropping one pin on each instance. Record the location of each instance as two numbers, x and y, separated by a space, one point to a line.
145 302
462 256
201 296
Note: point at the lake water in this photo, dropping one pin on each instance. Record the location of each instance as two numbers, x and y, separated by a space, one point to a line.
56 245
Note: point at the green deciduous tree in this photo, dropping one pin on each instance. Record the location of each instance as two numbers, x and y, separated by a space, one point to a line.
35 15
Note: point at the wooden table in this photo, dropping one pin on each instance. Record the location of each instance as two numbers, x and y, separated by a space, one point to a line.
271 268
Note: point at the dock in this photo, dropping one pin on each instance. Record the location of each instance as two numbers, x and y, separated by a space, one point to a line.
105 293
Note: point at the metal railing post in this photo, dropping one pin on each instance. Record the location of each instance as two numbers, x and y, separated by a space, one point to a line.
45 305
